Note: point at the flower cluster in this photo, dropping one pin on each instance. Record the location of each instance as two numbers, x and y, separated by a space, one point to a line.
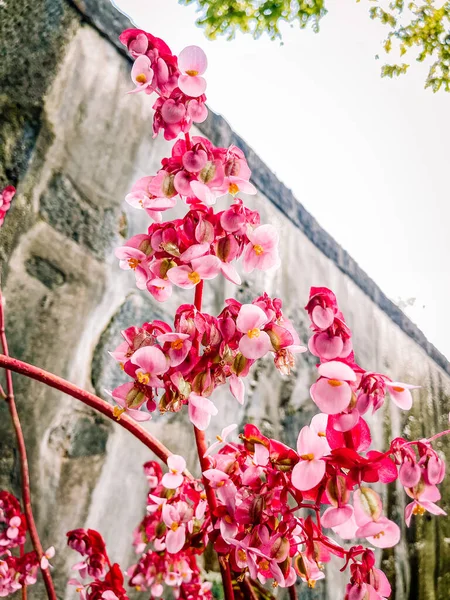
13 525
172 534
107 583
265 491
421 470
6 195
198 247
15 571
344 389
187 363
178 82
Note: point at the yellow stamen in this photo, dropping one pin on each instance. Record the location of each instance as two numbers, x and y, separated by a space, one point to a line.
418 510
194 277
334 382
141 78
322 434
397 388
177 345
242 554
258 249
378 535
311 583
253 333
143 378
307 456
174 526
264 565
117 412
219 438
133 263
233 188
192 73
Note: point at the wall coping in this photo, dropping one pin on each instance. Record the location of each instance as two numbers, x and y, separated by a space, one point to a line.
107 19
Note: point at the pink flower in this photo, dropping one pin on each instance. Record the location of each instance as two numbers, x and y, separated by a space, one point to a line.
216 477
424 497
332 392
206 267
192 63
381 534
379 531
142 74
151 362
208 185
336 515
6 195
255 343
400 393
130 400
200 410
140 197
134 255
262 250
176 532
160 289
174 478
221 438
178 346
309 471
48 554
13 530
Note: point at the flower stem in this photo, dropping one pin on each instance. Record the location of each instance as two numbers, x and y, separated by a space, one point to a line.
89 399
25 475
200 441
292 592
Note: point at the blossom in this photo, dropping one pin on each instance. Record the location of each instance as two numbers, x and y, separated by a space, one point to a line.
176 533
262 250
151 362
400 393
142 74
221 438
6 195
174 478
48 554
160 289
134 255
424 499
379 531
192 63
309 471
332 392
140 197
255 343
187 277
178 346
200 410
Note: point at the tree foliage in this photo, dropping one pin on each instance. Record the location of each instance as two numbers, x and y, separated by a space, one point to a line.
421 30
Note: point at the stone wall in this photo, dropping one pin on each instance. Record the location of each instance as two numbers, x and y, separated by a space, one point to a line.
74 143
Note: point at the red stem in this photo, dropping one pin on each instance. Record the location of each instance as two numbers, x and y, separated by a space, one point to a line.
89 399
200 440
247 584
25 475
24 587
292 592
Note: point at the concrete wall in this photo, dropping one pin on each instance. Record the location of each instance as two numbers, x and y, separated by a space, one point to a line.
74 144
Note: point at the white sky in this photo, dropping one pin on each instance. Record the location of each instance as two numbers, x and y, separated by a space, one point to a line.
368 157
